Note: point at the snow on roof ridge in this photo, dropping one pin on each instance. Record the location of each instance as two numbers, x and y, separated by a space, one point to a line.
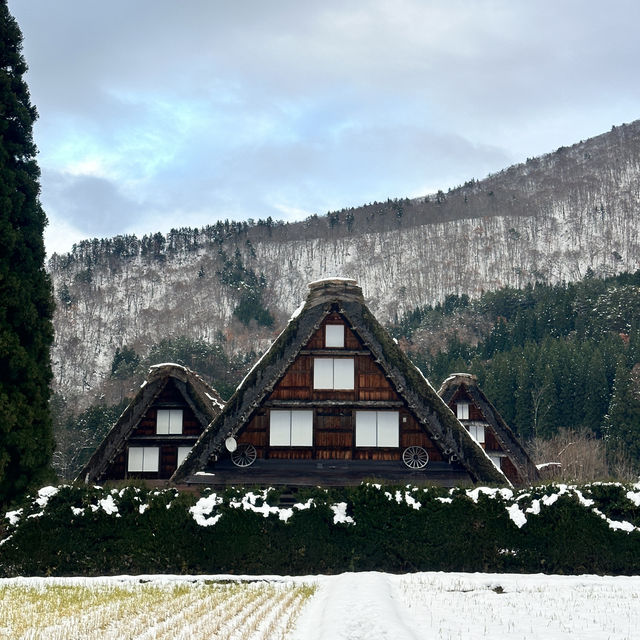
330 279
453 376
167 364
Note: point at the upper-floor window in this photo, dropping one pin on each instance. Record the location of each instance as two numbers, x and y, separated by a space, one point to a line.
169 421
333 373
377 429
462 410
290 428
334 335
143 459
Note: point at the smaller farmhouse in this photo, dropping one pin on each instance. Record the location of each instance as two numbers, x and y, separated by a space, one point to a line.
464 397
158 428
335 401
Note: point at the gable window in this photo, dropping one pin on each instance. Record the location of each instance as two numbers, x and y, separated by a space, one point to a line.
334 336
290 428
377 429
333 373
143 459
477 432
169 421
462 411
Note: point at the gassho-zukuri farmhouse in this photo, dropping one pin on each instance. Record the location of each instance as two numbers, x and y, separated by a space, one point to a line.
334 401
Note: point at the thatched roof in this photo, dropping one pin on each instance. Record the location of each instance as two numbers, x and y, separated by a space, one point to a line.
345 297
504 435
204 401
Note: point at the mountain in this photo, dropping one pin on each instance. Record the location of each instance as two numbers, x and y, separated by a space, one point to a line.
550 219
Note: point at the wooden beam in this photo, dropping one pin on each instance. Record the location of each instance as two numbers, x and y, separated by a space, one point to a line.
334 352
357 404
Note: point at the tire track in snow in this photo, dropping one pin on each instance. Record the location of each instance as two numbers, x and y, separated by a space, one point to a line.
355 607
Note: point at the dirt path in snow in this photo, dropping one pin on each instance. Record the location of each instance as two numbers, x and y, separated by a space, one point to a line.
355 607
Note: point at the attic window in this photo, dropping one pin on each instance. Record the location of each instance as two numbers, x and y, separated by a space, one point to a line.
377 429
462 411
477 432
143 459
291 428
169 421
333 373
334 336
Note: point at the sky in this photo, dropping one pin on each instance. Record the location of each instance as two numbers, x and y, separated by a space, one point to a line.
159 114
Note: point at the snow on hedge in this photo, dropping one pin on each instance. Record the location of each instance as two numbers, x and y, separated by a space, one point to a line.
520 505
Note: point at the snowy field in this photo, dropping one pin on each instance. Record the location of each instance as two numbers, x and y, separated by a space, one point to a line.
372 606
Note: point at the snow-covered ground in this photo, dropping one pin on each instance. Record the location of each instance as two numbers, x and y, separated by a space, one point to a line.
354 606
377 606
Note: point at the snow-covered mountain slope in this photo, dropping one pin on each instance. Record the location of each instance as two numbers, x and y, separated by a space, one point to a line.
551 218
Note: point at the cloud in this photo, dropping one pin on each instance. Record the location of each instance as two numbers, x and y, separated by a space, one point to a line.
89 204
160 111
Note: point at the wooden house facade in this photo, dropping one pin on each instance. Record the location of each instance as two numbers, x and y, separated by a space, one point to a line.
464 397
335 401
158 428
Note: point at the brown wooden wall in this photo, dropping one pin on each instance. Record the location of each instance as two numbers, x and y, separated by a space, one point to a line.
334 438
334 426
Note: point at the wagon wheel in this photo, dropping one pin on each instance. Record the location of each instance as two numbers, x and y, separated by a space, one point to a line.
415 457
244 456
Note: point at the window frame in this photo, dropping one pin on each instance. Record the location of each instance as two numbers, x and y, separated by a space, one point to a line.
174 425
323 372
294 428
334 339
150 457
367 421
462 408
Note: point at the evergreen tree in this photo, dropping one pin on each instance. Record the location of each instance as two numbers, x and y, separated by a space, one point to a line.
622 423
26 304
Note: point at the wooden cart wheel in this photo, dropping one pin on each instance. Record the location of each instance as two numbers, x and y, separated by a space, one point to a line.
244 455
415 457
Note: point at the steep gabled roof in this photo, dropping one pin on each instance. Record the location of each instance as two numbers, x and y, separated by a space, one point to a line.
204 401
504 435
345 297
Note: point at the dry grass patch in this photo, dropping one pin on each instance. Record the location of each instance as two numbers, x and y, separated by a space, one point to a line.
141 611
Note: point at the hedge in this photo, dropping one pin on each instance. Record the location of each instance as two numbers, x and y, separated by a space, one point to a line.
72 530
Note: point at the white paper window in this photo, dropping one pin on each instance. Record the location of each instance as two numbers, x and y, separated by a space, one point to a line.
334 335
143 459
290 428
377 429
477 432
183 452
323 373
497 460
366 429
333 373
462 410
343 373
388 432
169 421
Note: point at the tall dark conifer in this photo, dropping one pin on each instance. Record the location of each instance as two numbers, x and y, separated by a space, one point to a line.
26 306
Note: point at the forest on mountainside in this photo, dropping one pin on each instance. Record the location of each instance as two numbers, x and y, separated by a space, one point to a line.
551 358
